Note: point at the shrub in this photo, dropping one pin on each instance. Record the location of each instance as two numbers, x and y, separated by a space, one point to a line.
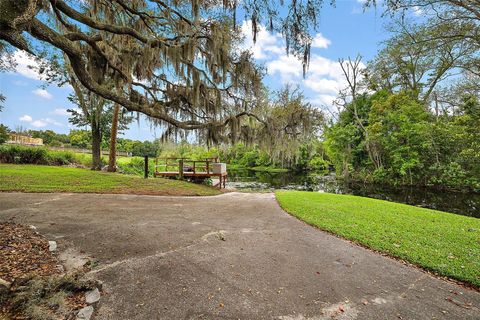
34 155
263 160
451 175
249 158
317 163
136 165
23 155
60 158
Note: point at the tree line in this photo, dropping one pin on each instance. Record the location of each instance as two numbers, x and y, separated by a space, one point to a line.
412 115
81 138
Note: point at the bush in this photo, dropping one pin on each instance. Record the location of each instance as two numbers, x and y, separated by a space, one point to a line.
34 155
318 164
136 165
451 175
249 158
60 158
23 155
263 160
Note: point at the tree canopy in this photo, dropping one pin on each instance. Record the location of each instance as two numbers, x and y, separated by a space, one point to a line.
176 61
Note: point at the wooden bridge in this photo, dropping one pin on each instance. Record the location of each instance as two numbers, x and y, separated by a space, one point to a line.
194 170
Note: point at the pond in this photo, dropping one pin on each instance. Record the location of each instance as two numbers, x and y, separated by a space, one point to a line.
456 202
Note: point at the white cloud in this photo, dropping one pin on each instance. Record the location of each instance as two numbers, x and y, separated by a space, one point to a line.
26 65
319 41
60 112
42 93
417 11
324 78
51 121
40 123
323 100
287 66
26 118
266 45
323 85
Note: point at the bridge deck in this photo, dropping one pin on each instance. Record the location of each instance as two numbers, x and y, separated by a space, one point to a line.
222 177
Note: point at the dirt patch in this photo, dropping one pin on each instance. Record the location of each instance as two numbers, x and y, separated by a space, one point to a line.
23 251
32 280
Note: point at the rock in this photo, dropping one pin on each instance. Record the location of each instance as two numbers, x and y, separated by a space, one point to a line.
32 227
52 245
85 313
92 296
72 259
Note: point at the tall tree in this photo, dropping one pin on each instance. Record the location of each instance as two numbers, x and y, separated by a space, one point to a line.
3 133
112 156
96 113
417 61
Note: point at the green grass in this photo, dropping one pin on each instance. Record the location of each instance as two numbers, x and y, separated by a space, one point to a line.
445 243
36 178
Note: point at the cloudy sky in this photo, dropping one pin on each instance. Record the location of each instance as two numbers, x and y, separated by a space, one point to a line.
343 31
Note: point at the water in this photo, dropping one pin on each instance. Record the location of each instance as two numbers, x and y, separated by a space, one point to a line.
467 204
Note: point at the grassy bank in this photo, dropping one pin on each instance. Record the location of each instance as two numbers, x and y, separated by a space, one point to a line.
37 178
442 242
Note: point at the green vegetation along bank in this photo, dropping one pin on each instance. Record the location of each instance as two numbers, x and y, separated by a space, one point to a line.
38 178
445 243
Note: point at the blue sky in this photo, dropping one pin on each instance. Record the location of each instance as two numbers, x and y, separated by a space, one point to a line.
344 30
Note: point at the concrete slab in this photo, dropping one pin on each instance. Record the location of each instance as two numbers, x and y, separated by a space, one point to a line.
233 256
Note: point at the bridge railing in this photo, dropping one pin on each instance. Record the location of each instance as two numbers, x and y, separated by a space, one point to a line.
182 165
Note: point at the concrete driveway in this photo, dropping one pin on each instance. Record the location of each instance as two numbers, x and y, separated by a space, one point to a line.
233 256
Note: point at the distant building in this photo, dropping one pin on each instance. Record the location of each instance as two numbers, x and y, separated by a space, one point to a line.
15 138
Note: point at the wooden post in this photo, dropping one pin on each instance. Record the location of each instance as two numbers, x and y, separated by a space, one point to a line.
146 168
180 169
208 169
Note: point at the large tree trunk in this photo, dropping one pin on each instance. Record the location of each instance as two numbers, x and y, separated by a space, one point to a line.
112 157
96 146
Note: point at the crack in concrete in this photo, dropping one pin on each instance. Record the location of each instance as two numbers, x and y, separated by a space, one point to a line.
218 233
58 197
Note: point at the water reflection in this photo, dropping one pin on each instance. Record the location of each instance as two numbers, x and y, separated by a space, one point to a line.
456 202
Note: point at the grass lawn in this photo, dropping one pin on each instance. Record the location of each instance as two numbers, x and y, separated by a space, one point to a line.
445 243
35 178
